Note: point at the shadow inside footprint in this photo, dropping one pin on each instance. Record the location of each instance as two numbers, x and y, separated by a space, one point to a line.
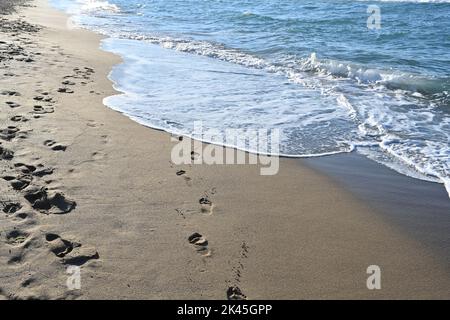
19 118
24 168
55 203
8 133
41 110
81 256
60 247
6 154
54 146
43 172
10 207
206 205
21 182
12 104
200 243
65 90
180 172
10 93
16 237
72 252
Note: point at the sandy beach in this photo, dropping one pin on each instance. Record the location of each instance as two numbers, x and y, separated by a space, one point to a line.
83 185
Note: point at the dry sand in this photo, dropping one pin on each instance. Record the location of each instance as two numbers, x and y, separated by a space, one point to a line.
84 185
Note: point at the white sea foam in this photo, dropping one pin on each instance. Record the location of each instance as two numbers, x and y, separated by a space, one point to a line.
97 5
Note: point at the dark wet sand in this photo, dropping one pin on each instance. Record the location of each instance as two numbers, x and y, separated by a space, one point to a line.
420 208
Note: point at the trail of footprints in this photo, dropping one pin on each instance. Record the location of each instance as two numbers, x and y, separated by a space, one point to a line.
201 244
28 197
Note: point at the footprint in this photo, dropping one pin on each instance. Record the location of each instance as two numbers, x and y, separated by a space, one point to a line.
54 146
180 172
6 154
60 247
81 255
10 93
68 83
26 169
12 104
19 183
206 205
43 172
65 90
16 237
234 293
42 110
50 203
72 253
8 133
200 243
89 70
19 118
27 282
10 207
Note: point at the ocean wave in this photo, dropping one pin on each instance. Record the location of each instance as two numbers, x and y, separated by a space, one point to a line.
97 6
393 80
295 68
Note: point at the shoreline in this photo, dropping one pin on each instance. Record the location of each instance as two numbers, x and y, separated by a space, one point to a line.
296 235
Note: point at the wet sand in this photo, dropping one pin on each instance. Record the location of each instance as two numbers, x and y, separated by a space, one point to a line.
85 186
420 208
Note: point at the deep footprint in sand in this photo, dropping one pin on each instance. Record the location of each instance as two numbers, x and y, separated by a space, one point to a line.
24 168
54 146
16 237
43 172
38 171
200 243
19 183
206 205
59 246
8 133
10 207
6 154
49 202
72 253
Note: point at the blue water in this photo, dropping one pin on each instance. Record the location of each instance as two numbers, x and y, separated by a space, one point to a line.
312 69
